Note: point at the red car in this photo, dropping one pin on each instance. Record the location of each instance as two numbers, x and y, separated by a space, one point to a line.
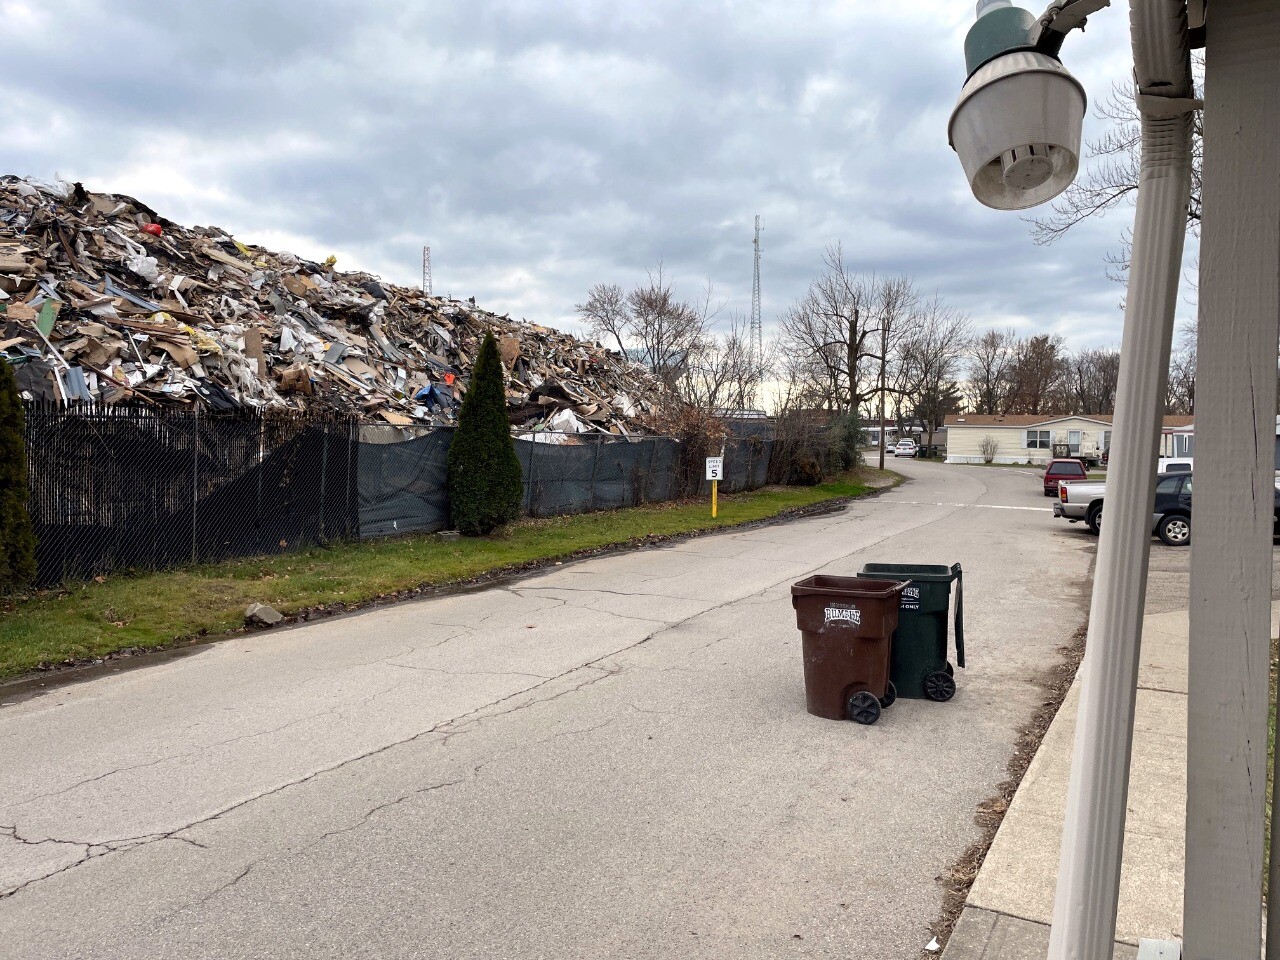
1062 470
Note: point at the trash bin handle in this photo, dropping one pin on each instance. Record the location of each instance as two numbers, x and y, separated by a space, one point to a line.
958 574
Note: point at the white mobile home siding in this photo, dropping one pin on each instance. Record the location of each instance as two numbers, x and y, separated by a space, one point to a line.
964 442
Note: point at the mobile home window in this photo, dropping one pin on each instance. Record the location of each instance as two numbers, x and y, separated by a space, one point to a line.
1039 440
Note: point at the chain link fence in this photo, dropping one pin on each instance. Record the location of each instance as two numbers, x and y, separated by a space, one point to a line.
118 488
403 480
403 475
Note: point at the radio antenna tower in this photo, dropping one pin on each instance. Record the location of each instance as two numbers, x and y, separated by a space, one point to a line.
757 328
426 270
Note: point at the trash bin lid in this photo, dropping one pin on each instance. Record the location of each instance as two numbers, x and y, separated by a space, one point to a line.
847 587
927 572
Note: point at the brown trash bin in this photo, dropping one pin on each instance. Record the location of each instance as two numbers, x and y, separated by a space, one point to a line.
847 626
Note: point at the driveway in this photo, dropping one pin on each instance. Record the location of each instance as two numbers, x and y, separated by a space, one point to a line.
611 759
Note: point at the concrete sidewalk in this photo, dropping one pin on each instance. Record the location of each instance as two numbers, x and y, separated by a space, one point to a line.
1010 907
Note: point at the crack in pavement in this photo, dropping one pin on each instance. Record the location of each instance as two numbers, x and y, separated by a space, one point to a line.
707 646
222 888
469 673
89 851
322 672
604 674
490 616
520 591
201 749
475 772
93 851
658 713
390 803
368 816
12 833
563 602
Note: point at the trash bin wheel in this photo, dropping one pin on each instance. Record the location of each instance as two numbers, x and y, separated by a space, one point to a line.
863 707
890 695
939 686
951 671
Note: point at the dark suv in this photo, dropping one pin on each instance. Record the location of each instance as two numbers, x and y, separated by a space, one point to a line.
1171 516
1062 470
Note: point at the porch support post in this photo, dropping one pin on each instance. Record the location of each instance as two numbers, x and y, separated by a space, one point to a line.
1231 550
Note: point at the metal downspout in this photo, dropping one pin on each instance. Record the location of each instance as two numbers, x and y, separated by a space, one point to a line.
1084 914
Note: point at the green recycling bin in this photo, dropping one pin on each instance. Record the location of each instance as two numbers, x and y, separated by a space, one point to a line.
919 667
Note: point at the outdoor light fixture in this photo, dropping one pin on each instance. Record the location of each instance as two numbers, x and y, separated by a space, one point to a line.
1017 124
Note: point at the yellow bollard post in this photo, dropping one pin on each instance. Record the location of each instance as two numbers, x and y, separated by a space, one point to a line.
715 485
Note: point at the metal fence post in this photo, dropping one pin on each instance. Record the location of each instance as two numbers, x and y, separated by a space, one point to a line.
353 454
595 466
648 476
324 471
195 478
533 457
262 456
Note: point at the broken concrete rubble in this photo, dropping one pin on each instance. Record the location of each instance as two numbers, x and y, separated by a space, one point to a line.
103 300
262 615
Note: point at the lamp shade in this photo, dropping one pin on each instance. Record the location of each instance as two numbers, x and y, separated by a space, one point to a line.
1016 129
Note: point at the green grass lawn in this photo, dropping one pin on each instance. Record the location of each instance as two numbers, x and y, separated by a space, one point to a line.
85 621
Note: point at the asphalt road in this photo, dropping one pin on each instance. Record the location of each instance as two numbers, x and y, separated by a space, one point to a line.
611 759
1168 570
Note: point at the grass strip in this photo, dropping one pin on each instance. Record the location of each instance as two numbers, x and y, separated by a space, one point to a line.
140 611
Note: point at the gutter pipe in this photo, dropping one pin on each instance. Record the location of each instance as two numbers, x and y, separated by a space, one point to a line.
1085 905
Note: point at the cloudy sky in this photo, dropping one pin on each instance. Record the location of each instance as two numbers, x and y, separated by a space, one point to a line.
540 147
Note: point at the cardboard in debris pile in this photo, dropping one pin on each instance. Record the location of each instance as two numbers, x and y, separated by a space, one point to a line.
94 307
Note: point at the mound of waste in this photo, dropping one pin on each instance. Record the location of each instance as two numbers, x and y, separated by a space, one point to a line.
102 300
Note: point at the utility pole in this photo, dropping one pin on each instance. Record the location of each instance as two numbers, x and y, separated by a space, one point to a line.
884 349
426 270
757 326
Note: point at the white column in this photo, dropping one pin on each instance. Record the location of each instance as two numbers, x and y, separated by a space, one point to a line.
1086 900
1234 463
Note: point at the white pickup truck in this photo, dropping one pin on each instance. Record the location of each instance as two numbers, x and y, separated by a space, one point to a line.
1081 500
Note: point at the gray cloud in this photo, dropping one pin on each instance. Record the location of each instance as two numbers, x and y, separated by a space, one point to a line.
542 147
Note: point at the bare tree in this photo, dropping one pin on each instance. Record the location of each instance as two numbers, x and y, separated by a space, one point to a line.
1036 377
1180 394
724 373
932 356
669 331
828 334
1110 177
1090 382
606 314
991 358
895 300
667 334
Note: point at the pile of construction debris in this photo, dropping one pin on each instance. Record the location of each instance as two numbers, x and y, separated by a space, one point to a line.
103 300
